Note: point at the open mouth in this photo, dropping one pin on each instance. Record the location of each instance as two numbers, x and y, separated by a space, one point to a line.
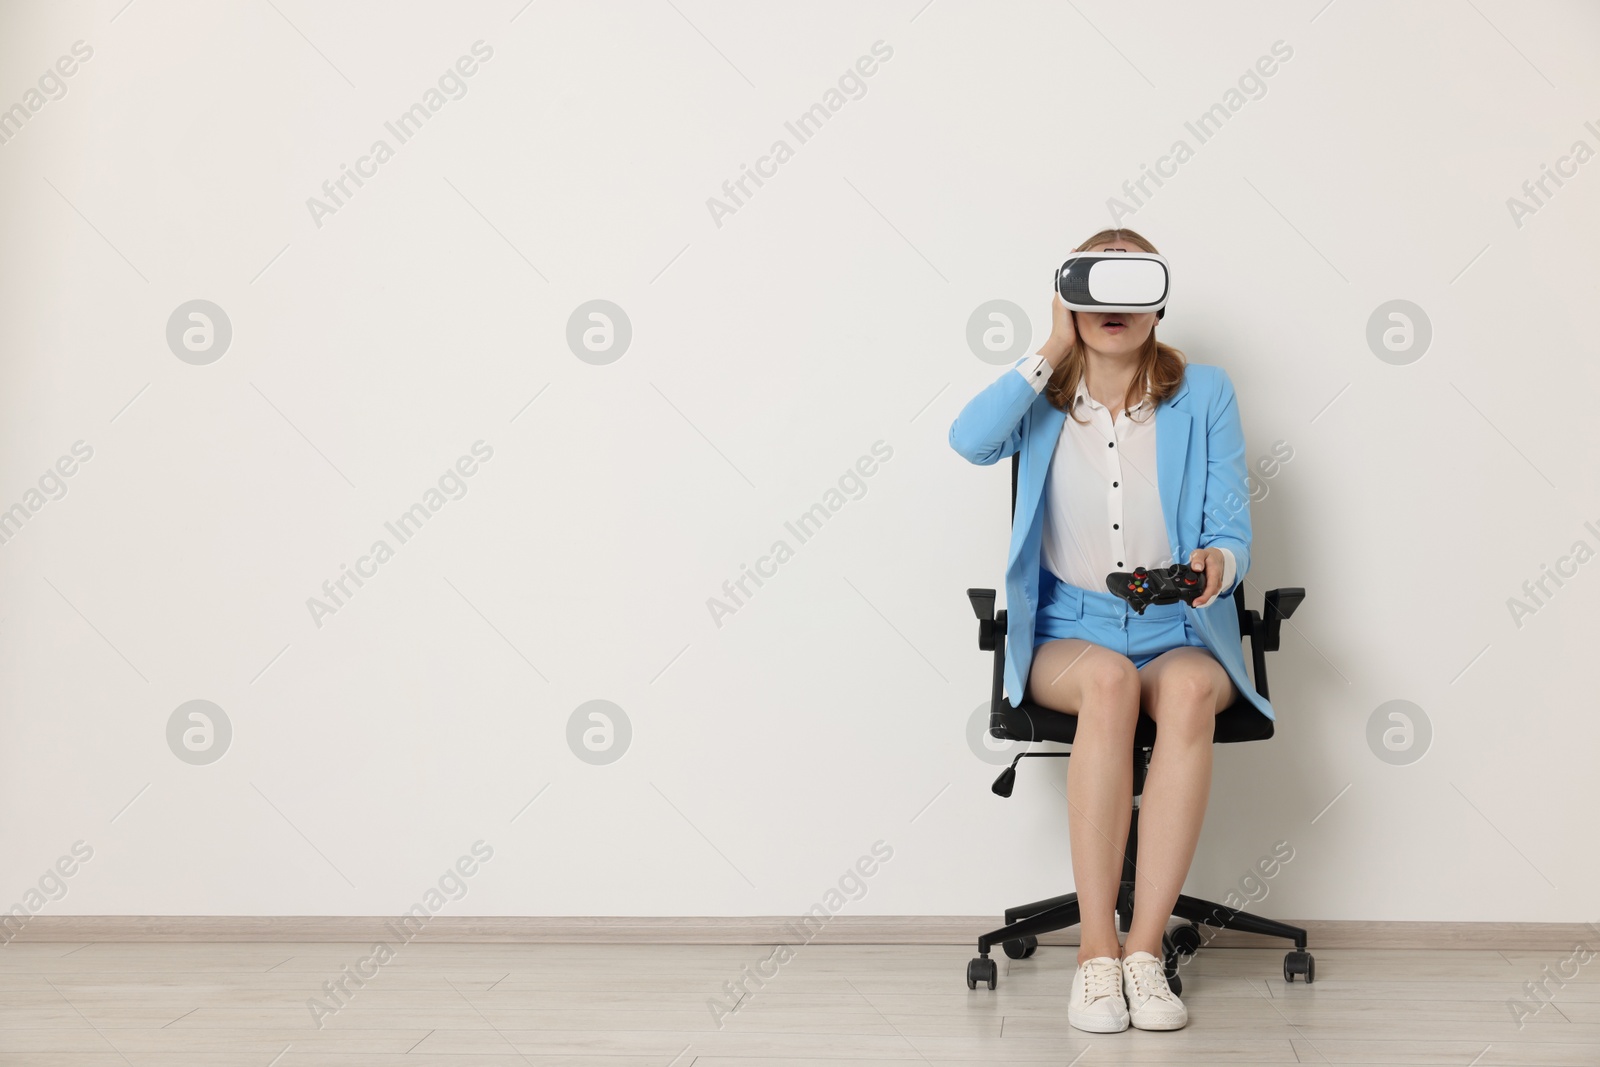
1113 325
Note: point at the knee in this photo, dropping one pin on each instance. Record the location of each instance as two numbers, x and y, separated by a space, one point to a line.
1111 687
1187 704
1193 688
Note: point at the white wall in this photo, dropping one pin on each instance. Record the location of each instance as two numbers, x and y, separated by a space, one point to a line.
768 354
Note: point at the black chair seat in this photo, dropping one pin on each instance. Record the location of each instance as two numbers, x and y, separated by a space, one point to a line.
1031 722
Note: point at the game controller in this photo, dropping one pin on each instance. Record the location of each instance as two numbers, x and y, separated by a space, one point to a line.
1164 585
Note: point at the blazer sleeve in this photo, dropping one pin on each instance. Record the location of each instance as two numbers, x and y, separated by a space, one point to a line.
1225 521
989 428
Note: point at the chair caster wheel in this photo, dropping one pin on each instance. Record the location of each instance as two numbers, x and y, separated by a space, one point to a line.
982 969
1299 961
1021 949
1186 939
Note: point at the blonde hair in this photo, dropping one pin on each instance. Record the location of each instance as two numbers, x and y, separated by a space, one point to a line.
1159 364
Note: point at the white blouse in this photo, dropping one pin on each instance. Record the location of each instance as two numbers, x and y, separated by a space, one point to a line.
1102 507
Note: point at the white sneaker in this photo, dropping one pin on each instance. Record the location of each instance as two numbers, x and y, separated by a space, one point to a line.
1096 1003
1152 1005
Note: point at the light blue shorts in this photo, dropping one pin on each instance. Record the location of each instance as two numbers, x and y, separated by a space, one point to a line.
1065 610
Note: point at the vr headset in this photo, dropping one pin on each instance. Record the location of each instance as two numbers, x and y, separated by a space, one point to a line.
1114 281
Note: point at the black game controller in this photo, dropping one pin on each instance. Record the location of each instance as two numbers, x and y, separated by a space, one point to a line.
1164 585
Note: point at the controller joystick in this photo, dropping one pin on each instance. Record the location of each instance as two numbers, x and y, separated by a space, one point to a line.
1142 587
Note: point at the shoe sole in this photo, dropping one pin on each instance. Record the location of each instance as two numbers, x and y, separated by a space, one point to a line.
1165 1025
1100 1028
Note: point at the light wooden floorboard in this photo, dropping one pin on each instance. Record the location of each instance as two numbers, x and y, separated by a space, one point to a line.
610 1005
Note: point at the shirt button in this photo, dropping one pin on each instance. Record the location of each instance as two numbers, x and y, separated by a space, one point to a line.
1111 444
1119 563
1115 484
1115 526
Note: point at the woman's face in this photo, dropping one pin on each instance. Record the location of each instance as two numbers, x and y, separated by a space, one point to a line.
1115 333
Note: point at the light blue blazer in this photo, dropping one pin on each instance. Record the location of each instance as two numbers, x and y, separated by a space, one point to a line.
1200 475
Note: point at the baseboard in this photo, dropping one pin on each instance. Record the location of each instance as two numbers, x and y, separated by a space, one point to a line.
743 930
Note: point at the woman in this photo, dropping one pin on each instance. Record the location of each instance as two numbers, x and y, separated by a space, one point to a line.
1146 469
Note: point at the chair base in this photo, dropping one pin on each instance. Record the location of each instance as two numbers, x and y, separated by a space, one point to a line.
1026 922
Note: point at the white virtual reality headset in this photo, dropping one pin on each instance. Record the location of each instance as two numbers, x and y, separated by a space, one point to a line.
1114 281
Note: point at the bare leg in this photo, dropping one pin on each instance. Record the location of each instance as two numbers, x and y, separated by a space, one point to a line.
1182 690
1102 688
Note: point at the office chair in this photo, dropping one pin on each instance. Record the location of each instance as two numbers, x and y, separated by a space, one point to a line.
1029 722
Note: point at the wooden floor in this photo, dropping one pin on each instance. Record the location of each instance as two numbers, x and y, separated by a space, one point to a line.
222 1005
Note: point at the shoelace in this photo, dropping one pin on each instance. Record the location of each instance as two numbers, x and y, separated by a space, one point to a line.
1100 980
1150 979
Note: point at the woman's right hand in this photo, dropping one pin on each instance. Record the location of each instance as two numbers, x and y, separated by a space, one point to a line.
1063 332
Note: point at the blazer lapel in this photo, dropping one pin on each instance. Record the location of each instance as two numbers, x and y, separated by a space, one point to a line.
1172 452
1040 443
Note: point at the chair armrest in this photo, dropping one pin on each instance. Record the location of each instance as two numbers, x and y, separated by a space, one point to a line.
1263 629
1280 604
991 625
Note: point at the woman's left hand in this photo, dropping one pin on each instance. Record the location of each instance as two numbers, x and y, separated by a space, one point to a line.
1209 562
